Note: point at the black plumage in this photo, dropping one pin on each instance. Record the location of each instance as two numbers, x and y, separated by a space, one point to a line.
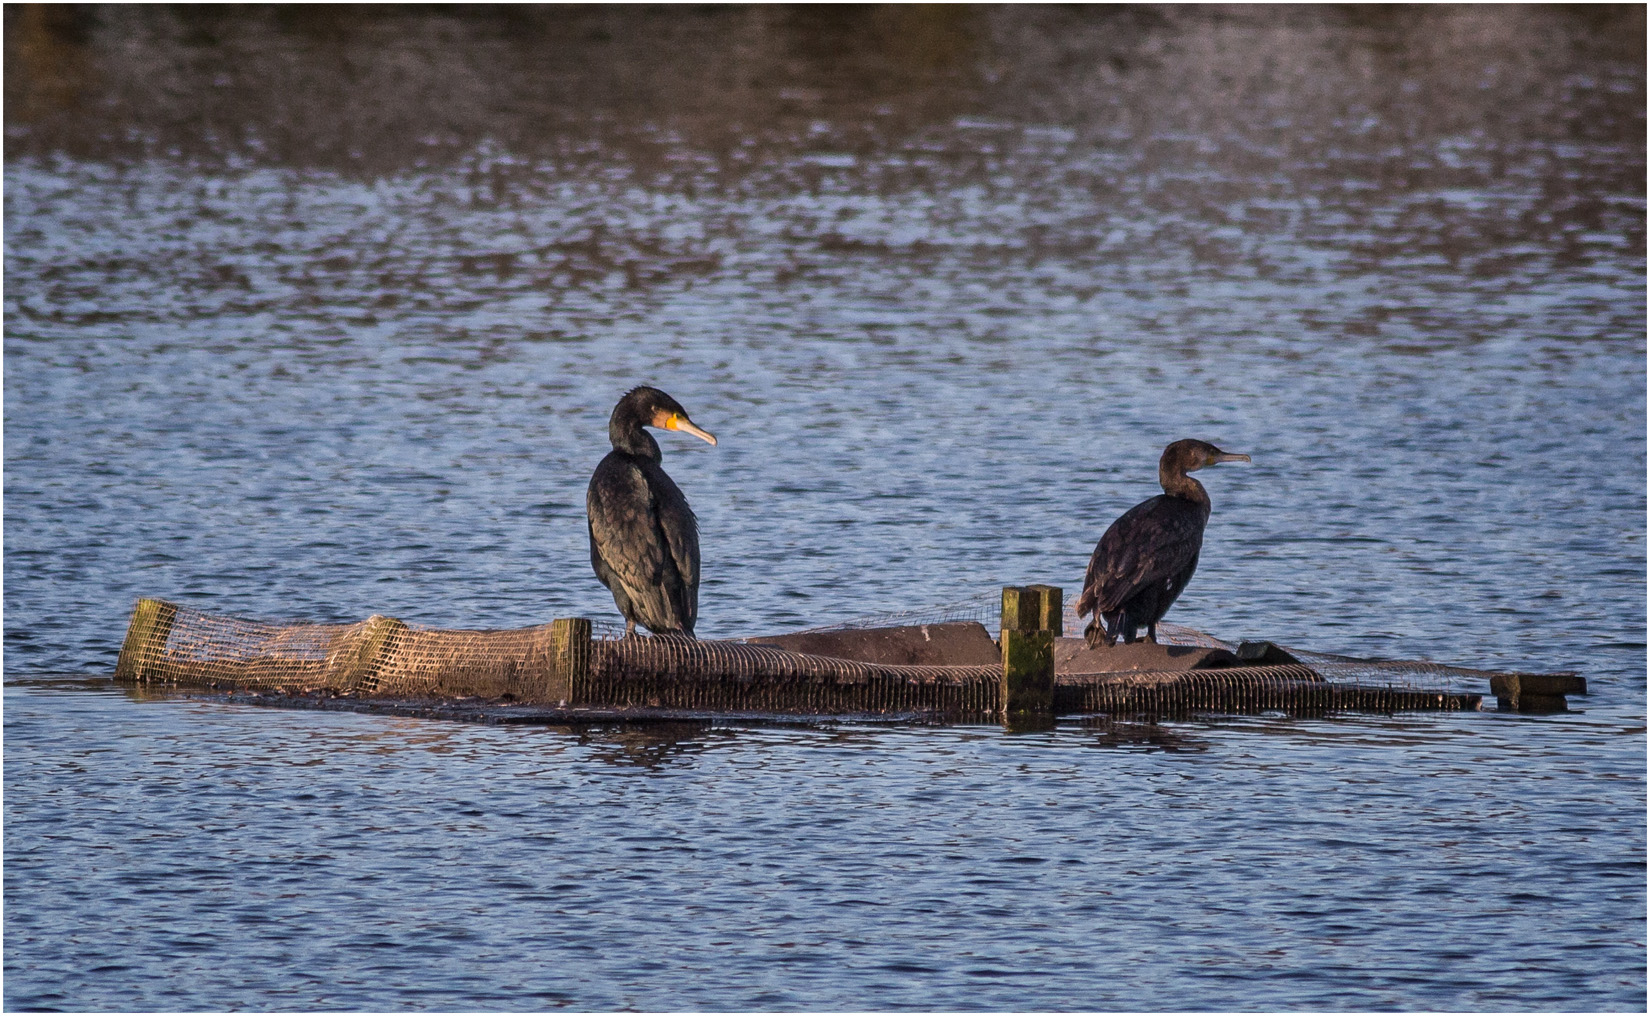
1149 554
644 539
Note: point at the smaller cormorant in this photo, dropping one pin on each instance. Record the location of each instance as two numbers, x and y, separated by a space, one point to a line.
644 539
1149 554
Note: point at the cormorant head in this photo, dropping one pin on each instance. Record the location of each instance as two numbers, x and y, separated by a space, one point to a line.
649 407
1187 455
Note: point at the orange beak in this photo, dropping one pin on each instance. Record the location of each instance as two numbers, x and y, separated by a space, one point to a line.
676 421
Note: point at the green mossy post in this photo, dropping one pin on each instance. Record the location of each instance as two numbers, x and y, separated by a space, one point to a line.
570 660
353 668
1032 620
140 654
1051 610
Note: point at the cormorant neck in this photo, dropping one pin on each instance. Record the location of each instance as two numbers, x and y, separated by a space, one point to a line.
624 429
638 443
1178 484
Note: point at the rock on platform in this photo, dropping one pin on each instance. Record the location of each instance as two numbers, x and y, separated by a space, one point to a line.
1075 656
961 643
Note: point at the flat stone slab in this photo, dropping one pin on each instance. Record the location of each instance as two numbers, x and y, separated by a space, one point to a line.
956 644
1075 656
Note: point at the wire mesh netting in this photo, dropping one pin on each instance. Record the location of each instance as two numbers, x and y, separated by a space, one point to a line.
683 673
380 656
387 659
1285 688
954 670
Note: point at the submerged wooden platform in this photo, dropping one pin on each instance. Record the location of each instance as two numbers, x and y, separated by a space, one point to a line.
951 672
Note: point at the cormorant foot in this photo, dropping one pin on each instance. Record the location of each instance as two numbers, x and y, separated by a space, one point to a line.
1096 635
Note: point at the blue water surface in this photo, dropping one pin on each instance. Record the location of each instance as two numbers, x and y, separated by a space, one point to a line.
317 314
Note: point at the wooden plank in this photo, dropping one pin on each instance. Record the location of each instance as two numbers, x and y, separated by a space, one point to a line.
1527 703
1513 685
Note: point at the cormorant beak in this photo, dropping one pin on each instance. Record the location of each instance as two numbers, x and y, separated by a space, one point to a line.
1227 457
676 421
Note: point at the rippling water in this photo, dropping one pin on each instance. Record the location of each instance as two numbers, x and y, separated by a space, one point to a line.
320 314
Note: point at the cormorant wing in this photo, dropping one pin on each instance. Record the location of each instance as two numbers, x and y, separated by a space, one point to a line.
1153 543
625 533
681 532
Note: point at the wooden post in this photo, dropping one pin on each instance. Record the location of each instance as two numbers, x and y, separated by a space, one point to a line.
1051 609
146 634
569 660
1031 622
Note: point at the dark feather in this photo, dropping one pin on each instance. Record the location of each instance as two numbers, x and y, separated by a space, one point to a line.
644 543
1152 547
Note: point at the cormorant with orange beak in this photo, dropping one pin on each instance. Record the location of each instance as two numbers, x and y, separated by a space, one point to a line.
644 539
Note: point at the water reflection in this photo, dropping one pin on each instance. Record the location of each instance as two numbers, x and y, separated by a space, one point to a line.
1141 735
883 51
649 746
47 45
375 89
387 88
